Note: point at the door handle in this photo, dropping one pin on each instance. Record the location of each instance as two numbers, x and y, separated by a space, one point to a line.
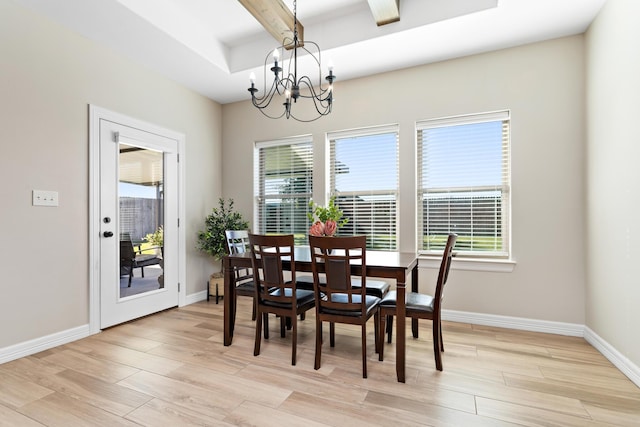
108 234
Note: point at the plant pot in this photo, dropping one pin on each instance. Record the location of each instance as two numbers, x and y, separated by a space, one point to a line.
216 286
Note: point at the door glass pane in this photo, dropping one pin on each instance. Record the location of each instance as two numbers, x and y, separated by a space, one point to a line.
141 197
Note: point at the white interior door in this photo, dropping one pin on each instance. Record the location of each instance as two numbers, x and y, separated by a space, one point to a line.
138 196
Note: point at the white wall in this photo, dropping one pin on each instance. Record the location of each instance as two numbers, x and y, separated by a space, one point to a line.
613 197
48 77
543 86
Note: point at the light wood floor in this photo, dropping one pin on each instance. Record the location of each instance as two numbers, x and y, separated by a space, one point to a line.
171 369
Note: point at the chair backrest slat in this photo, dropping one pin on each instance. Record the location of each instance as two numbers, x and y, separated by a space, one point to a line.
267 255
443 273
334 256
238 243
126 250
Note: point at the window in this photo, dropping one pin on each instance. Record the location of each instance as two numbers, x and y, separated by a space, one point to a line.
364 181
464 184
284 186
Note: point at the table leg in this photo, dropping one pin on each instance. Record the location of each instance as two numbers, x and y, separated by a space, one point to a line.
400 331
229 301
414 288
401 334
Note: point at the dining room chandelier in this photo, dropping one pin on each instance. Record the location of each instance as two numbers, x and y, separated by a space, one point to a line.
289 87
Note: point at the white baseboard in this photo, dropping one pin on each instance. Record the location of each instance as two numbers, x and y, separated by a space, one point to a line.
37 345
618 359
544 326
625 366
197 297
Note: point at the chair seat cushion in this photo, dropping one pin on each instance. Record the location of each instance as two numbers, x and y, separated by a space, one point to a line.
378 288
246 289
414 301
305 282
371 302
303 296
146 260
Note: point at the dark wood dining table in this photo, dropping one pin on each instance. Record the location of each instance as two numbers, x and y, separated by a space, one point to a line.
384 264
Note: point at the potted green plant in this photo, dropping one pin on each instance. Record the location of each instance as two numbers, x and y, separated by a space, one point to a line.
213 241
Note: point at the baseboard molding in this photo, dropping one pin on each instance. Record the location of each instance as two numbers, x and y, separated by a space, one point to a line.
197 297
37 345
625 366
521 323
618 359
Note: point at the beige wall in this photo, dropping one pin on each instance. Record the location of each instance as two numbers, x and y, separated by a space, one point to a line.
543 86
48 77
613 110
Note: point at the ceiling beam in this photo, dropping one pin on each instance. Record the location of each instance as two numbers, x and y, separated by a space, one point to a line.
385 11
276 18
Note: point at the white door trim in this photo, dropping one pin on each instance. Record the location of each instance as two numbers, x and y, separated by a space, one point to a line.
95 115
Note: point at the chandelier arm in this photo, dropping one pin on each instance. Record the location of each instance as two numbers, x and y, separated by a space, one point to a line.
266 98
322 106
320 114
319 95
263 103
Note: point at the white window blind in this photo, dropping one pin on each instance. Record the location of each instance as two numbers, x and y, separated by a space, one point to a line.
364 182
464 183
283 188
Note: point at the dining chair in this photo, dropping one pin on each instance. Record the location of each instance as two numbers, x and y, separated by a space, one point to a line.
337 299
273 292
420 306
131 258
378 288
238 243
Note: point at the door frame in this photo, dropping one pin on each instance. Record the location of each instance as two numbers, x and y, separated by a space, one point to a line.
95 115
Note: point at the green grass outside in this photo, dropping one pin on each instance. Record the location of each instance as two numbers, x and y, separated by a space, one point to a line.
147 248
478 243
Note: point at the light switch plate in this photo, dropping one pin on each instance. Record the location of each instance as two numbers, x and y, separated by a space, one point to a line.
45 198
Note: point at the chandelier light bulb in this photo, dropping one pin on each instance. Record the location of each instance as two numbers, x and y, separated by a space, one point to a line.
252 77
276 54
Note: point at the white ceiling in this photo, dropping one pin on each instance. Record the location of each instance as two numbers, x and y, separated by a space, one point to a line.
211 46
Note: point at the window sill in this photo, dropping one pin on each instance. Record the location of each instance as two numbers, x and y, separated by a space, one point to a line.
471 264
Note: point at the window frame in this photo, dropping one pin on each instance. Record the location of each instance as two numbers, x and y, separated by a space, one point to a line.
260 198
503 116
331 137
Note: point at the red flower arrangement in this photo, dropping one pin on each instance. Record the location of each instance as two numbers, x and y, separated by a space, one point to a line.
326 220
327 228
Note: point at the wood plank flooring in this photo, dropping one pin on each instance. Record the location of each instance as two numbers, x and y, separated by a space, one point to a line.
171 369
